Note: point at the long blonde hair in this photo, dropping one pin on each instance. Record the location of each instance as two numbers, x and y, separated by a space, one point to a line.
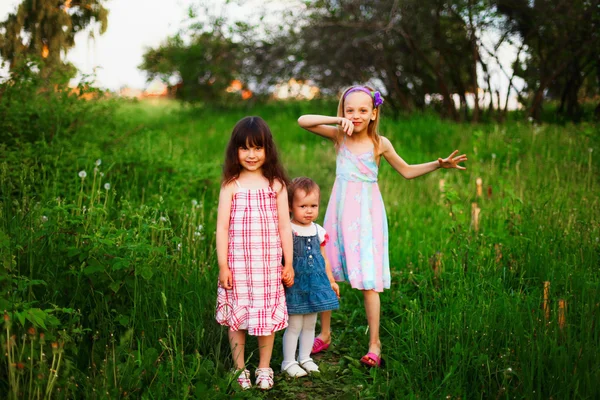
372 129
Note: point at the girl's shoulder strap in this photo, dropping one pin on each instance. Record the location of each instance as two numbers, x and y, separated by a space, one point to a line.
237 183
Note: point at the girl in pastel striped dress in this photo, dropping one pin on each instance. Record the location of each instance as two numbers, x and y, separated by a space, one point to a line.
253 233
355 218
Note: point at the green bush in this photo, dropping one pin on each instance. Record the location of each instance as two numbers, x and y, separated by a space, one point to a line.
33 108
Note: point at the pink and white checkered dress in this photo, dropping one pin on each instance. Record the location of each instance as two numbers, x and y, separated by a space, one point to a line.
257 301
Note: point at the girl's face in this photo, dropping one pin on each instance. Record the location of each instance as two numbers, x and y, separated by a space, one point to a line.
305 207
251 158
358 108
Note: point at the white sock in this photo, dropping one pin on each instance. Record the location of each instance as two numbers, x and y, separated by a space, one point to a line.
307 337
290 340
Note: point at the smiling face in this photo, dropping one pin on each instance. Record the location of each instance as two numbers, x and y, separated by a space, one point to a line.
305 207
358 108
251 158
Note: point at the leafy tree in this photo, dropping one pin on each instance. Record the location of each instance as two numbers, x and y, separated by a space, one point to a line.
203 68
563 42
46 29
413 48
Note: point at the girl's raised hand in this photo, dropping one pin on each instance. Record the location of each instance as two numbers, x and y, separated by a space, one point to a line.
347 125
451 161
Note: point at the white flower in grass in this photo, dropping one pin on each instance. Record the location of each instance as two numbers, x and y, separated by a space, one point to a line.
44 218
82 174
178 246
494 155
101 174
590 150
200 227
163 219
98 162
107 186
194 202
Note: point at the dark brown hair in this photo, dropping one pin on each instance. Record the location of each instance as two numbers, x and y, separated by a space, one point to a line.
253 131
303 183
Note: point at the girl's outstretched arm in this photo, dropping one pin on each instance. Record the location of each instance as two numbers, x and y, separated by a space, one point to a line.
223 215
324 126
412 171
285 233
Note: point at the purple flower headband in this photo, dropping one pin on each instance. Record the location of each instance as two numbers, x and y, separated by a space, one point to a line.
375 95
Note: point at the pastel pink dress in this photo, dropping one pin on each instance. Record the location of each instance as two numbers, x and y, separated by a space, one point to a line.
256 302
357 223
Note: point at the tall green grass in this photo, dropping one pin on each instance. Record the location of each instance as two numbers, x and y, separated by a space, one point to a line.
121 279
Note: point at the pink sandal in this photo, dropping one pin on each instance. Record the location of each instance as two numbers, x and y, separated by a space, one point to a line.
319 346
372 360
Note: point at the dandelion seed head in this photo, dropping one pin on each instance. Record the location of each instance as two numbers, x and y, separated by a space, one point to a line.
44 218
590 150
98 162
96 170
494 156
200 227
82 174
107 186
194 202
163 219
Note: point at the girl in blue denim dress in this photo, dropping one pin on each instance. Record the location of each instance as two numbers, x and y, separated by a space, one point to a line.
314 288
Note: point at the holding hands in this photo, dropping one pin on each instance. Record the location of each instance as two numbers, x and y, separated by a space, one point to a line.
451 161
287 275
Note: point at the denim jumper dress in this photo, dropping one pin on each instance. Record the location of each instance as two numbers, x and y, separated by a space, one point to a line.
311 291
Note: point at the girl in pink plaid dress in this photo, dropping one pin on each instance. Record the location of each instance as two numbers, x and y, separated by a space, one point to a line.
253 233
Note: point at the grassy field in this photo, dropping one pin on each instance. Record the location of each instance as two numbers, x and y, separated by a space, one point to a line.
109 276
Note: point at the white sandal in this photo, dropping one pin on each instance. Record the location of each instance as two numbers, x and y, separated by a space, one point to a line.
243 379
294 370
264 378
310 366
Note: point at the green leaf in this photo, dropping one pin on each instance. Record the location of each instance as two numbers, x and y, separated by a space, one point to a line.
73 251
92 269
20 317
115 286
123 320
37 317
147 273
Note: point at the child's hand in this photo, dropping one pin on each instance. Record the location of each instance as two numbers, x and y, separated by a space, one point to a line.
287 275
336 289
347 125
452 162
225 278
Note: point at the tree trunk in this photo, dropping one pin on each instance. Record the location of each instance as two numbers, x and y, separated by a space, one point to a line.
475 55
